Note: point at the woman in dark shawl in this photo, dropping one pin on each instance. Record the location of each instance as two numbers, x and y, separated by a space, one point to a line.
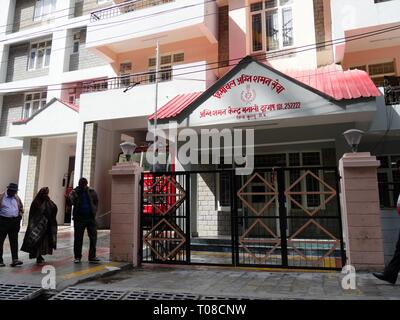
41 234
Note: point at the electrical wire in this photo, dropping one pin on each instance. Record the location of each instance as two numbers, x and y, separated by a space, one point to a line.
264 56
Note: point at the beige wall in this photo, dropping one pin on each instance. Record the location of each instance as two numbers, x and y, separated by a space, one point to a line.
198 49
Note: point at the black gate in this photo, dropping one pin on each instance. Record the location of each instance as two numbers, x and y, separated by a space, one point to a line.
283 217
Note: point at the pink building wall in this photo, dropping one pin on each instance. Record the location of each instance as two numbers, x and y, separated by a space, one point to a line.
372 56
197 49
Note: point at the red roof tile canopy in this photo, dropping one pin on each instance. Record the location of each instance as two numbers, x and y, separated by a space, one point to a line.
338 84
176 105
330 80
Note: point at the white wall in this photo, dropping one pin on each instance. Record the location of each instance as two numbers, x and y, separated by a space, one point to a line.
56 119
140 100
170 18
354 14
53 167
9 167
107 151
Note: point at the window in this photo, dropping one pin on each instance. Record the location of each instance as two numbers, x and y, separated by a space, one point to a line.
294 159
125 70
389 180
44 9
272 25
39 56
77 40
166 63
378 71
34 102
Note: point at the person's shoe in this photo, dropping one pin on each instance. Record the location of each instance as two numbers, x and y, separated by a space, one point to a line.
40 260
94 260
77 261
16 263
2 264
382 277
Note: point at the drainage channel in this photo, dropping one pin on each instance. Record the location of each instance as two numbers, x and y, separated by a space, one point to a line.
75 293
19 292
26 292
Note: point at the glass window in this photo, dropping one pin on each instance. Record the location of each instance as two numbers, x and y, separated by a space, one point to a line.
272 29
257 32
276 30
166 63
44 9
389 180
33 103
311 159
287 27
39 56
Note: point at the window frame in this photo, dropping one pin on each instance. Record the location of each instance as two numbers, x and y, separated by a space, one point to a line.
35 48
366 67
304 200
166 68
42 100
389 171
50 5
263 12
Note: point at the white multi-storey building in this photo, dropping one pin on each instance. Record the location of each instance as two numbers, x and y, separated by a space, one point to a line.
77 77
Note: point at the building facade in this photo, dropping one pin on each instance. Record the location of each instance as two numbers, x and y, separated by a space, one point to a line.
77 77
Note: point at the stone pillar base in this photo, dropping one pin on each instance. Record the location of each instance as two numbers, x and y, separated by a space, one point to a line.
361 211
125 213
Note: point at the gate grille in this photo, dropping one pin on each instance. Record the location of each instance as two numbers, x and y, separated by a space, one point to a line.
74 293
19 292
275 217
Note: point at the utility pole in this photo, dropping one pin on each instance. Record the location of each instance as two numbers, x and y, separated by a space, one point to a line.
156 105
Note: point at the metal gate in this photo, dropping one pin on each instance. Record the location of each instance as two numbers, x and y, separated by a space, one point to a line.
283 217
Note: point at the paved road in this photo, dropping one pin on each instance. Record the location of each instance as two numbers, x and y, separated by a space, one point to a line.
67 273
216 281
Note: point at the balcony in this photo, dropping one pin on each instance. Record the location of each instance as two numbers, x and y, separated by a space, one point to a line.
124 8
135 25
108 98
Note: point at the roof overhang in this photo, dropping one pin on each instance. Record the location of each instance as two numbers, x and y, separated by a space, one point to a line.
56 118
253 94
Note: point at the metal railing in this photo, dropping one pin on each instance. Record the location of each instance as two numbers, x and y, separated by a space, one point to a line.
123 8
124 82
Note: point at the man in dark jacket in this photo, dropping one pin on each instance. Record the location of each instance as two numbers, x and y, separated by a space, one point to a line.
85 202
11 211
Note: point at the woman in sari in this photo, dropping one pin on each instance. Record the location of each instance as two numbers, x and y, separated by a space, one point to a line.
41 234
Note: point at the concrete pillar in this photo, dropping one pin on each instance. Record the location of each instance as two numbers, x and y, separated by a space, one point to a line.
125 213
32 177
361 211
89 152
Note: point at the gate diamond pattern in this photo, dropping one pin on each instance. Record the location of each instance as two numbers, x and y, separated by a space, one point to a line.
164 235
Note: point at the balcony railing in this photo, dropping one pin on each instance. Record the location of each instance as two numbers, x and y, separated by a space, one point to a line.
124 82
123 8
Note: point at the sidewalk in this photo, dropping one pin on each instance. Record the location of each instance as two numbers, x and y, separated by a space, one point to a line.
67 273
245 283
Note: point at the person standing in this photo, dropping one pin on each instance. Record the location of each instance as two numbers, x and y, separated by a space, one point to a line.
11 211
41 235
85 202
